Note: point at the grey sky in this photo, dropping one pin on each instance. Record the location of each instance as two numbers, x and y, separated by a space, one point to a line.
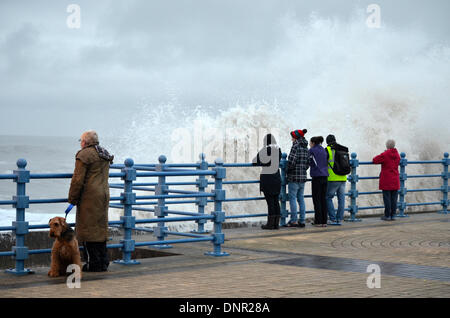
60 81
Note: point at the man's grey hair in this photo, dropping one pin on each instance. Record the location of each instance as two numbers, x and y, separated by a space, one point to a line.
90 137
390 144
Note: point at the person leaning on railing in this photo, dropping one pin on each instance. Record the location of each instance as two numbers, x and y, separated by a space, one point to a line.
336 179
270 179
297 165
89 191
389 179
319 182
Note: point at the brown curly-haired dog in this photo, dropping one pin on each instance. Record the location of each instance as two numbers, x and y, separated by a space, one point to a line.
65 249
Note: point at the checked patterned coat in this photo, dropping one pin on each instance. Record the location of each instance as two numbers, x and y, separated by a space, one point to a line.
298 161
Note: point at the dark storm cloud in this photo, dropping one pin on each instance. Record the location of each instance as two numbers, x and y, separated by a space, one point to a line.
56 80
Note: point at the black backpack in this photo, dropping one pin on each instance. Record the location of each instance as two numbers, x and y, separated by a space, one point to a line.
341 160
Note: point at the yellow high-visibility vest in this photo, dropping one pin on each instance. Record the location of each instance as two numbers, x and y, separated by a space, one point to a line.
331 175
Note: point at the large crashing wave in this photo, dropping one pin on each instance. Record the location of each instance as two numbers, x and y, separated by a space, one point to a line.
363 85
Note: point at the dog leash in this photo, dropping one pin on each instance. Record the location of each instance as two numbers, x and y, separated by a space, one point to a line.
69 208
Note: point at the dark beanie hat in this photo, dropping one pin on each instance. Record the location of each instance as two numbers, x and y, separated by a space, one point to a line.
330 139
298 133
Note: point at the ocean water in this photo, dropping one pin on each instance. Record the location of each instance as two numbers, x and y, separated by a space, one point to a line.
43 155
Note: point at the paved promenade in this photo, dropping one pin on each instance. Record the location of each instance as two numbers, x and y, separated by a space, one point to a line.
413 255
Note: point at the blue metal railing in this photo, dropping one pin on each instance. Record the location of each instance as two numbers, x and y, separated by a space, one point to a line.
165 196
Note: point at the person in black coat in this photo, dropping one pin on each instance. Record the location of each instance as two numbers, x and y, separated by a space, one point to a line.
270 179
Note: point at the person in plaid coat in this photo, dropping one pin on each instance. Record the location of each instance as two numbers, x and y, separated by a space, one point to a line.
298 164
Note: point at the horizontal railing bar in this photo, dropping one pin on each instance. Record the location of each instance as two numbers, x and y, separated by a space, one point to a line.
46 226
40 251
10 253
144 168
171 202
235 165
175 196
66 175
185 213
426 203
50 175
40 201
366 163
184 234
422 190
8 176
143 189
371 207
425 162
165 242
43 226
238 182
239 216
243 199
144 229
175 219
7 202
425 176
176 174
182 191
369 192
7 228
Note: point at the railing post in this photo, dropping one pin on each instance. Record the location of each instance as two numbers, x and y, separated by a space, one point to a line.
402 192
219 215
202 184
353 178
128 199
21 227
160 230
283 193
445 163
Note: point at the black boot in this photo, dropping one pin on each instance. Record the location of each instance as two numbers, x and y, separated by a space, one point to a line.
276 222
270 223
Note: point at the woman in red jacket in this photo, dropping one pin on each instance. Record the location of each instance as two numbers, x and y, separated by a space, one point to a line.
389 178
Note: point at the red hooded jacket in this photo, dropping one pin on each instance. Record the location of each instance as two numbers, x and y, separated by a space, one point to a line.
389 176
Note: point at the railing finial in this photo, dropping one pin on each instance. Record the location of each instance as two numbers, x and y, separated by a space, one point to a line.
22 163
162 159
129 162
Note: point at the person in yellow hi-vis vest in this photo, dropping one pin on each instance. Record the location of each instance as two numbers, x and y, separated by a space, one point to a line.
336 183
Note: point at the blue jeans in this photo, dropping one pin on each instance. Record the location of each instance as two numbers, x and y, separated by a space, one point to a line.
336 187
296 190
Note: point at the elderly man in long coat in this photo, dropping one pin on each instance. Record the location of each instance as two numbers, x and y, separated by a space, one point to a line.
89 191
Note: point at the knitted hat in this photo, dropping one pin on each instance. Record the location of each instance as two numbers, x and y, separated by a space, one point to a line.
298 133
330 139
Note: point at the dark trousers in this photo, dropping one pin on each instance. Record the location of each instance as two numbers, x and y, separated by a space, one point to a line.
273 204
390 202
96 256
319 196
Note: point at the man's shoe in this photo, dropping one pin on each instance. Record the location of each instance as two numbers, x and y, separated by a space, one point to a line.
385 218
301 225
